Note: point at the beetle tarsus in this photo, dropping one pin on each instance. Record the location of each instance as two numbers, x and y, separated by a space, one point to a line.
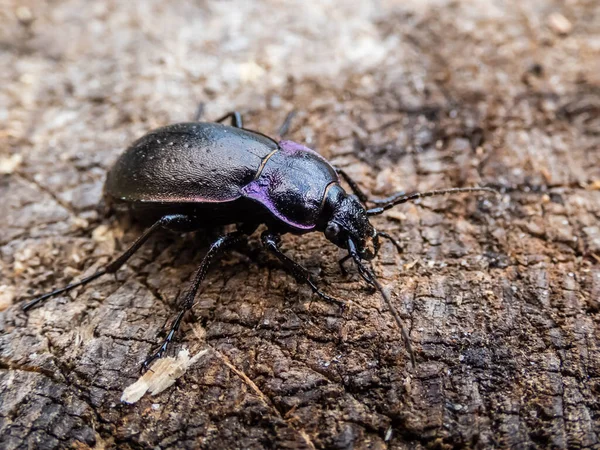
113 266
221 244
165 344
341 263
391 239
327 298
146 364
27 306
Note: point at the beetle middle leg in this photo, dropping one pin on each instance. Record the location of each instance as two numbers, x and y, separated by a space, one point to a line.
271 242
222 243
177 221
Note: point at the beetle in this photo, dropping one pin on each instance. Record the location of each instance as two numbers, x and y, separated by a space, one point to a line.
199 175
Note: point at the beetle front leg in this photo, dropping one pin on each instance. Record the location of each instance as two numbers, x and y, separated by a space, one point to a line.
361 194
353 185
341 263
271 242
391 239
217 247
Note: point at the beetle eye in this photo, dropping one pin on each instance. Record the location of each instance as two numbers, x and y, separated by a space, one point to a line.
332 231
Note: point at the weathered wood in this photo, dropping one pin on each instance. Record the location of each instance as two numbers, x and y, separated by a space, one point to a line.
501 299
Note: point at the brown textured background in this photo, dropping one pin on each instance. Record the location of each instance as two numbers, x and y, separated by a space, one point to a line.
501 300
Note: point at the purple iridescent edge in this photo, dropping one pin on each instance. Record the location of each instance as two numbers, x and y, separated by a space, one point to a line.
291 147
260 192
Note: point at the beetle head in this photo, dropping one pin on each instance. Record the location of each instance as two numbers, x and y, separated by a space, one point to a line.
349 220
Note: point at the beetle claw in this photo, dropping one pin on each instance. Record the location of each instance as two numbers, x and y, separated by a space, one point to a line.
341 264
146 364
330 299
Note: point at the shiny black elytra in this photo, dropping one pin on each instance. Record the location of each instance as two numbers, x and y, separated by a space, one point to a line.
196 175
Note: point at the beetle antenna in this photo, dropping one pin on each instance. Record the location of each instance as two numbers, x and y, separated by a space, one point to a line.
369 277
417 195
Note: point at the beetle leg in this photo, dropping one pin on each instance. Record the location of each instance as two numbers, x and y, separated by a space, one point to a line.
341 263
199 112
353 185
285 126
391 239
113 266
361 194
217 247
271 242
236 119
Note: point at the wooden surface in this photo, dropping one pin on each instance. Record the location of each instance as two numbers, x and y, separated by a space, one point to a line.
501 299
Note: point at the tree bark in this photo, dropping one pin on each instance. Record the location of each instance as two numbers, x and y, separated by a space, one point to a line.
501 299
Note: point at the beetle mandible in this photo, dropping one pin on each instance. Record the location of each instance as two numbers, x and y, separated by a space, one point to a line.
195 175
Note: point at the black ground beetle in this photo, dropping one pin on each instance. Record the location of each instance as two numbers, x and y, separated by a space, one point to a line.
195 175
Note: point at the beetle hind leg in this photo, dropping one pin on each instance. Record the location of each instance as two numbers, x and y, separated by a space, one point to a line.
218 246
174 220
